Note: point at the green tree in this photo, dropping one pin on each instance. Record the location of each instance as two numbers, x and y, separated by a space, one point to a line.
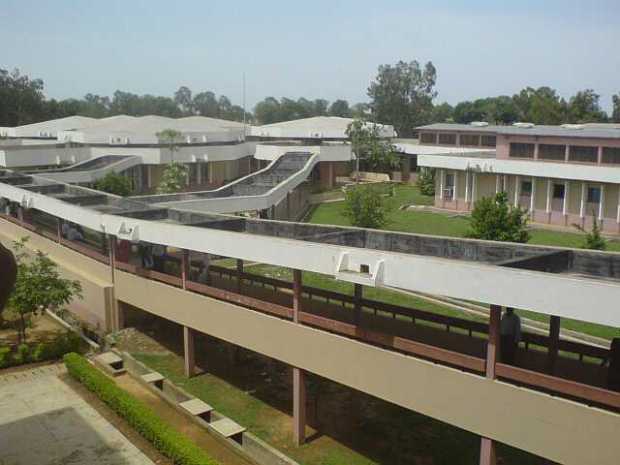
184 101
38 286
114 183
340 108
615 116
171 138
540 106
402 95
443 113
593 240
426 181
173 179
494 219
584 107
365 207
375 152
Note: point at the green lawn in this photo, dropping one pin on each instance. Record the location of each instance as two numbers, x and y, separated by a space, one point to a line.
442 224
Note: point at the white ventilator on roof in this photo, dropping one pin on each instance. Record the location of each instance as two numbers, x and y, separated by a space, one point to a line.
524 125
573 126
479 124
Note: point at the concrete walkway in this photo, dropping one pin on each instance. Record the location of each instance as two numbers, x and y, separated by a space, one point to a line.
44 422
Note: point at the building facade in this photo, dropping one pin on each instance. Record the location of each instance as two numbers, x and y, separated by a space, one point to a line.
562 175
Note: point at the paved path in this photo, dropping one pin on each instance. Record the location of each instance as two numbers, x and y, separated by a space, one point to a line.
44 422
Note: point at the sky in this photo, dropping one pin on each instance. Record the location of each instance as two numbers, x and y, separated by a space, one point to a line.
319 49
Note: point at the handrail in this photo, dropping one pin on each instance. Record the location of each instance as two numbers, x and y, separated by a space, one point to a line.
559 385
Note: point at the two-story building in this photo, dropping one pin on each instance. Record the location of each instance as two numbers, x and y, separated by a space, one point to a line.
563 175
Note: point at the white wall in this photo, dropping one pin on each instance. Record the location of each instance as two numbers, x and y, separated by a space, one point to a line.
336 152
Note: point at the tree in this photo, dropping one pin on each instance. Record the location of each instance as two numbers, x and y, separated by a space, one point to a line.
593 240
615 116
426 181
38 286
183 99
494 219
340 108
443 113
268 111
402 95
205 103
584 107
540 106
173 179
365 207
8 270
171 137
376 153
114 183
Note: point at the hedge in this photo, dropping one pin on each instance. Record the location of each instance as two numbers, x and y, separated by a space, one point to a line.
167 440
40 352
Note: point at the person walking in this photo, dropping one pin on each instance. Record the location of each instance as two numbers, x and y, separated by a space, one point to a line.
510 331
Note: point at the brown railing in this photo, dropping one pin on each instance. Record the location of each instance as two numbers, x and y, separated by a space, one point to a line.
571 389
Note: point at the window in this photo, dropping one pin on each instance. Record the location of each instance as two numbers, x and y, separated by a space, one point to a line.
558 191
551 152
488 141
518 150
594 194
428 138
583 154
447 139
611 155
526 188
470 139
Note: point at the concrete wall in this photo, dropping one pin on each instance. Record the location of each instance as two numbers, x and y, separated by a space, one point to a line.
504 141
95 306
30 156
558 429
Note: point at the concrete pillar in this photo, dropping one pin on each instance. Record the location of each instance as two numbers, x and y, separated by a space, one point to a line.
299 385
198 173
517 190
566 197
487 452
554 342
288 205
466 188
149 177
58 229
618 209
498 183
536 150
299 406
20 214
549 196
601 204
358 291
189 352
582 205
533 198
566 153
330 172
272 212
487 445
239 274
599 155
185 267
442 184
474 187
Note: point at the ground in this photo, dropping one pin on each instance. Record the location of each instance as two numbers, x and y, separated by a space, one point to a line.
44 328
45 422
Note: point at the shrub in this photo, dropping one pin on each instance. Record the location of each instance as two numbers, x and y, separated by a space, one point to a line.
426 182
365 207
114 183
494 219
5 356
168 441
594 240
43 351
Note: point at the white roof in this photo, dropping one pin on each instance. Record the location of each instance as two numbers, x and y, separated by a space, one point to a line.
52 127
328 127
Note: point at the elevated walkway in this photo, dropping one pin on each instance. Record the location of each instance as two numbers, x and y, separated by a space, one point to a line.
89 171
257 191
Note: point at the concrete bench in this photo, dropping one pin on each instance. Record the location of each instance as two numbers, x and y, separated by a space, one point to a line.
229 429
111 363
197 408
154 378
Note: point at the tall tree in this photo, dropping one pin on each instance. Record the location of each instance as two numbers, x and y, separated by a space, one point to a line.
183 99
584 107
615 116
402 95
205 104
171 138
369 148
267 111
340 108
540 106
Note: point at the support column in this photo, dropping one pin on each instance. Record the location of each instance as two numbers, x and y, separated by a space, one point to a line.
467 189
358 291
487 445
58 229
442 182
474 187
618 209
498 183
114 323
554 342
185 266
288 205
549 199
517 190
455 189
20 214
582 205
566 199
239 274
601 204
533 198
198 173
189 352
299 383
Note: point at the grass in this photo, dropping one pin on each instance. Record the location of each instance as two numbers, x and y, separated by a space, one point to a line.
393 434
451 225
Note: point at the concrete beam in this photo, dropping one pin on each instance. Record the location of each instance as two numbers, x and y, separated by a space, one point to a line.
189 352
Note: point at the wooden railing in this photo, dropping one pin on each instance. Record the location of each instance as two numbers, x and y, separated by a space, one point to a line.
572 389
